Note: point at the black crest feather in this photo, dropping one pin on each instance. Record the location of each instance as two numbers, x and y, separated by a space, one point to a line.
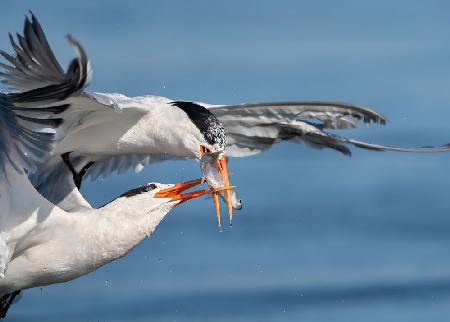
208 124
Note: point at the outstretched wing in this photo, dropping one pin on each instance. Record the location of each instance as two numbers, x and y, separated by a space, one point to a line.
253 128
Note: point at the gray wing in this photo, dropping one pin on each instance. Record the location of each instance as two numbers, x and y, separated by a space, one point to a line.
332 115
34 74
253 128
24 141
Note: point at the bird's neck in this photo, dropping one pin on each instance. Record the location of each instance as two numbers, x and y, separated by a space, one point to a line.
123 223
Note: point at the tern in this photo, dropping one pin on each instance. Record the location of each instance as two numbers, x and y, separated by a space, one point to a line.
103 133
106 132
40 243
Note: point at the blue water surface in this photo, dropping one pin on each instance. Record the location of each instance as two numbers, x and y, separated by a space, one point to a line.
322 237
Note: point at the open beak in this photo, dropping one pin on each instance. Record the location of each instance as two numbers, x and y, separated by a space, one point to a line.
222 164
223 170
176 192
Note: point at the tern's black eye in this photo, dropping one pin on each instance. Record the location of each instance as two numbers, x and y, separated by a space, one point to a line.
149 187
142 189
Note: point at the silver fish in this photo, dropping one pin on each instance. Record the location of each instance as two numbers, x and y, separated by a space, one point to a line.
211 175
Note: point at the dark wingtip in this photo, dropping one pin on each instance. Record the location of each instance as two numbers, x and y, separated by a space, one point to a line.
3 53
34 20
6 301
346 151
27 21
72 40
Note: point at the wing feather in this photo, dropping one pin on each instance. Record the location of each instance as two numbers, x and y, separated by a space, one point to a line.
24 141
331 114
34 74
253 128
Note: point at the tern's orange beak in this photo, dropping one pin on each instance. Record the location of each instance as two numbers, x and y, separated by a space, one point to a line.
223 170
176 192
222 164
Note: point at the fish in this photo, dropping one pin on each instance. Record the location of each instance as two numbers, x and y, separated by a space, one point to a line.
210 168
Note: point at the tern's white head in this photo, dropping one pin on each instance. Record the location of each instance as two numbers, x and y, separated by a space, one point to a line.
136 214
167 194
212 136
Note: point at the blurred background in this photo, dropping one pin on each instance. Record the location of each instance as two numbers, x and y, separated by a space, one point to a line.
321 237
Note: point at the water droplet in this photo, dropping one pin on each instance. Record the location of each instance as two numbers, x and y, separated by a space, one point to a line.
106 282
160 259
